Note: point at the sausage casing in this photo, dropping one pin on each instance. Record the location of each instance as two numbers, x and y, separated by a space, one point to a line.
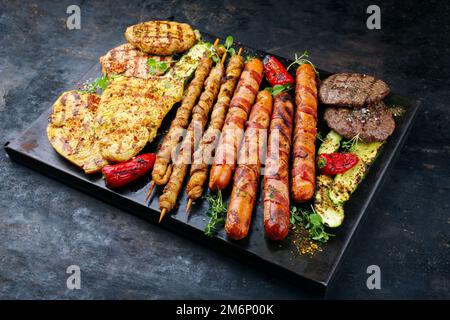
246 177
233 129
276 176
304 147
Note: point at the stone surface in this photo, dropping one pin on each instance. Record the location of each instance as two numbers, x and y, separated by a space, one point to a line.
46 226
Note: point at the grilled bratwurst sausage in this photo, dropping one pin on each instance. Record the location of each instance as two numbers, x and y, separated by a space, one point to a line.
303 166
203 155
276 178
233 130
246 178
161 171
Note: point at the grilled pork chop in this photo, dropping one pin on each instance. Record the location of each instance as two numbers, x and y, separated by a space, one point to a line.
161 37
71 130
373 122
352 90
131 62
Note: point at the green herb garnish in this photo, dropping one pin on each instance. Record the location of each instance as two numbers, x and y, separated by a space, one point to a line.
156 66
228 43
248 58
304 58
278 88
350 145
312 222
98 83
216 213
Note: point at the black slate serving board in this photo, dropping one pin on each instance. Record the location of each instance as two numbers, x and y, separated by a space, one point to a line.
32 149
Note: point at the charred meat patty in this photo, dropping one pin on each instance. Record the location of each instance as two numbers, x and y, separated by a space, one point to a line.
352 90
373 122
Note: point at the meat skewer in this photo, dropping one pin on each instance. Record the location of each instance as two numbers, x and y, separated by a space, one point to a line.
233 130
246 177
162 168
203 155
276 178
200 114
304 146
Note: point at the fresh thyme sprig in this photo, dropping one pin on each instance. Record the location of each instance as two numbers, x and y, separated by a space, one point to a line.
304 58
216 213
312 222
350 145
96 84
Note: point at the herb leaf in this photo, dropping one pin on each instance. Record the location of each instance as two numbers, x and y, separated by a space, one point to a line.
156 66
228 42
278 88
312 222
304 58
216 213
350 145
96 84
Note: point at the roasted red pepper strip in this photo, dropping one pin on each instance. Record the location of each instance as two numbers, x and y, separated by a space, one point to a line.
118 175
276 73
335 163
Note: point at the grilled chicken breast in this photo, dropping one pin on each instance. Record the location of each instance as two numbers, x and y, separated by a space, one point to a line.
131 62
130 113
71 130
161 37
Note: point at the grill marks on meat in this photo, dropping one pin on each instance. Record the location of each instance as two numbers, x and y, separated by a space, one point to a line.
276 178
200 114
246 178
71 130
161 170
233 129
131 111
203 155
161 37
131 62
304 149
373 122
352 90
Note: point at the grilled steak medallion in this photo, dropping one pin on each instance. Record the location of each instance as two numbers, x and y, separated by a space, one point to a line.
71 130
373 122
352 90
161 37
131 62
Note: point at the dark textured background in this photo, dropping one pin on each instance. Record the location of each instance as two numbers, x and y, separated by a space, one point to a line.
46 226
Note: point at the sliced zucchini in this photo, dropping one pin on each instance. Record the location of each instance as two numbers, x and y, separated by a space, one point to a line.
331 143
345 184
332 214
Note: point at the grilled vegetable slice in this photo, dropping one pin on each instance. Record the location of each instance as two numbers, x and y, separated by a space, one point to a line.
331 143
346 183
332 214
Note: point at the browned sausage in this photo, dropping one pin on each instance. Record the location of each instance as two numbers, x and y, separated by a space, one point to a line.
203 155
246 178
233 130
162 169
304 149
200 114
276 178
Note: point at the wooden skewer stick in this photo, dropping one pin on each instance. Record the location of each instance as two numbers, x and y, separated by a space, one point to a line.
188 206
223 58
239 52
150 190
161 216
216 42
